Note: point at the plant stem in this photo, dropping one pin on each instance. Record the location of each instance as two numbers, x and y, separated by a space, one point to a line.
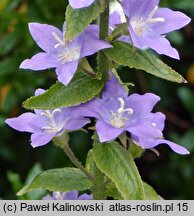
98 190
59 141
103 68
103 60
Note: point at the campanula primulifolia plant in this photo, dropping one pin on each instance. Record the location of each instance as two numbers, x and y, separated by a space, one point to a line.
120 120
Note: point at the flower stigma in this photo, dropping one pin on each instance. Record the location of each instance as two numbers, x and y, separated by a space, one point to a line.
118 119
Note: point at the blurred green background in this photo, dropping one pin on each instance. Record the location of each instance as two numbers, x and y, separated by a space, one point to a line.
172 175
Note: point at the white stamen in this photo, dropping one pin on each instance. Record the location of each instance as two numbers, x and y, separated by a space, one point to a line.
139 25
69 55
58 39
122 104
52 126
117 119
153 12
56 111
154 124
129 111
154 20
65 53
60 196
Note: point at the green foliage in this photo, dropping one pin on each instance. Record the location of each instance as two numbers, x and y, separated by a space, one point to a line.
15 180
150 193
118 165
126 55
187 98
81 89
17 184
64 179
78 20
112 191
16 85
135 150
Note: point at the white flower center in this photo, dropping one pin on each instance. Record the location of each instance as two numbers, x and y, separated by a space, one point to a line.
118 119
52 126
65 53
59 196
139 25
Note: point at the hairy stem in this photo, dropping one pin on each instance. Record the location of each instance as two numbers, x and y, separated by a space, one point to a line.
99 184
103 60
103 67
59 141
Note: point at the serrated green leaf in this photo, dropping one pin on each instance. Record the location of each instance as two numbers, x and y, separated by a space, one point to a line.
124 54
81 89
64 179
118 165
77 20
150 193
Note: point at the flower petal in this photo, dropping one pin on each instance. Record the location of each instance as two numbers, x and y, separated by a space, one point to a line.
140 8
42 34
173 20
40 139
135 101
80 4
114 19
144 129
40 61
27 122
113 89
156 120
176 148
72 195
146 142
76 123
107 132
66 71
39 91
92 43
47 197
162 46
85 197
138 42
93 108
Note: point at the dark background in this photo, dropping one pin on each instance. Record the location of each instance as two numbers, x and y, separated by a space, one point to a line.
172 175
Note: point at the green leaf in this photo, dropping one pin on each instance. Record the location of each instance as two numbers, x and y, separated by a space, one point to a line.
81 89
150 193
118 165
64 179
77 20
123 53
135 150
112 191
15 180
89 161
35 194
